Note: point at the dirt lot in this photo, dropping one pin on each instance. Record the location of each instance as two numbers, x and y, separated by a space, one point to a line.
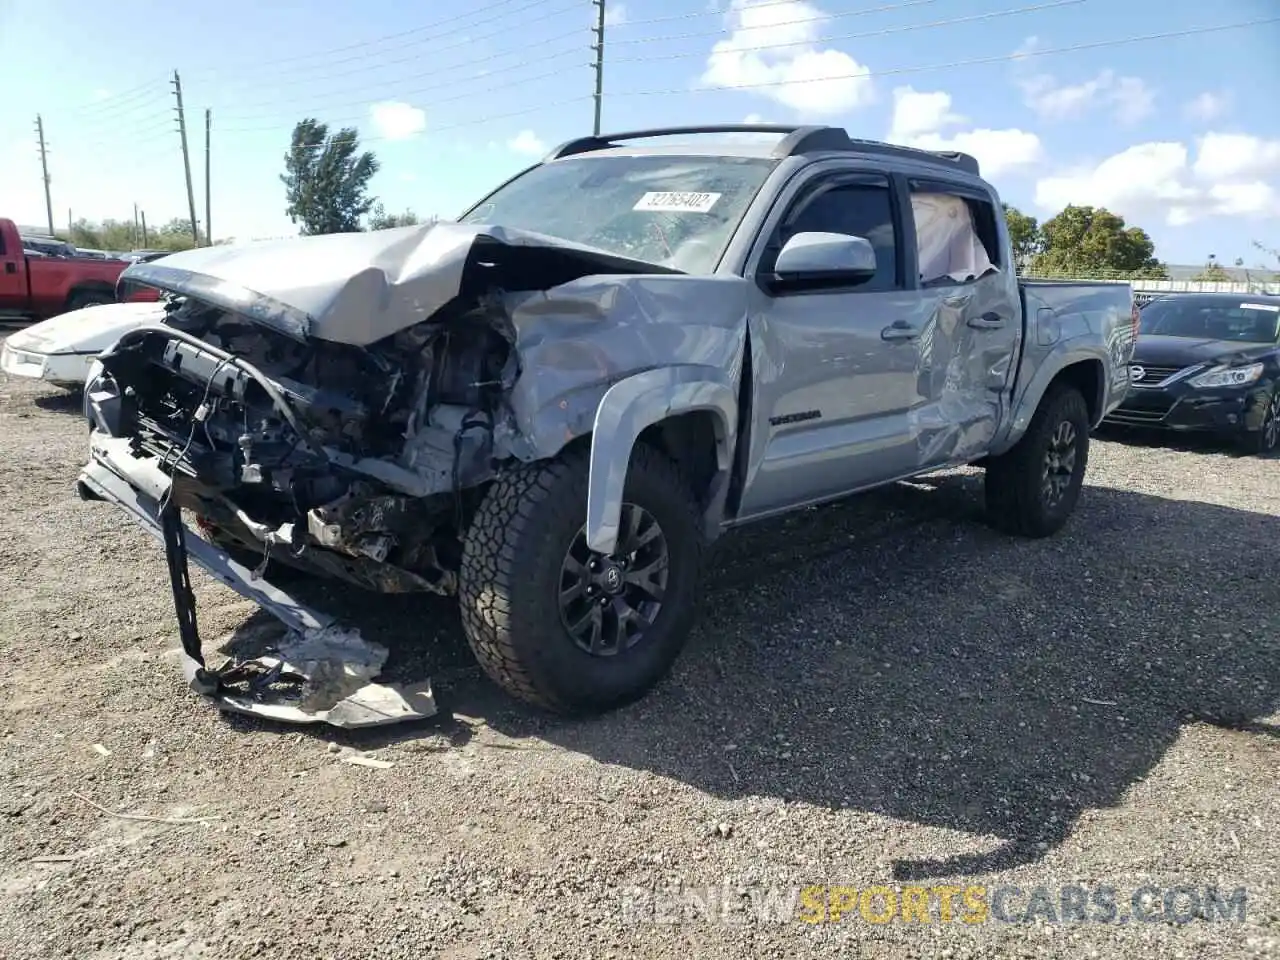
879 693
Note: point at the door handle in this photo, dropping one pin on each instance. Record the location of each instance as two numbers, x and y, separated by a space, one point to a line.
988 321
10 267
899 330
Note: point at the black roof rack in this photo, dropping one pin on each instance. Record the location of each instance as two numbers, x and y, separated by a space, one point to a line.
794 140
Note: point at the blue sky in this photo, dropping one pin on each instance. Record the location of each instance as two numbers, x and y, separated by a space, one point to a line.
1181 136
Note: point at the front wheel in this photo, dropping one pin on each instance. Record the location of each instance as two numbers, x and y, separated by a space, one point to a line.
1266 439
1032 489
559 626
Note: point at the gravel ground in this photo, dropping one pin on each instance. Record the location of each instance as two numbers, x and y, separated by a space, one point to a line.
878 693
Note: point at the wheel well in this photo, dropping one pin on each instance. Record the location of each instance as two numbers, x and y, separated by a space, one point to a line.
1085 376
690 440
91 286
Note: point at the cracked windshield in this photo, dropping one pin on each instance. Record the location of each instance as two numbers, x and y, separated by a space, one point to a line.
675 211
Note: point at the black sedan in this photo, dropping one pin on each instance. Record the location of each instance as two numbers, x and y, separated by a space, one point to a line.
1208 362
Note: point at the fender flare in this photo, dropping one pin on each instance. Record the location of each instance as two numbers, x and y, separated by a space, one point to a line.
637 402
1024 406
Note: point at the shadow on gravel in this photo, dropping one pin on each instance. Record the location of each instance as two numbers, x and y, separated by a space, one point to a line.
61 401
892 654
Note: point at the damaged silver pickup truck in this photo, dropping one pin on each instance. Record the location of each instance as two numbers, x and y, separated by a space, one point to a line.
549 407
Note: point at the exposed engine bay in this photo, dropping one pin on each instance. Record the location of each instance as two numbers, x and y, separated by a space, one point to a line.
351 459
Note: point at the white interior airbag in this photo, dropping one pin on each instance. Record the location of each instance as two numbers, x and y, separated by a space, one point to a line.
948 244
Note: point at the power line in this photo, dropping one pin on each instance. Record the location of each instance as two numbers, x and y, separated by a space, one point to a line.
1004 58
477 121
908 28
435 101
402 93
523 50
118 99
328 61
398 84
762 28
393 86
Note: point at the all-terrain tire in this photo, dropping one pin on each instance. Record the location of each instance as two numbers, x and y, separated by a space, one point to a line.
509 583
1016 498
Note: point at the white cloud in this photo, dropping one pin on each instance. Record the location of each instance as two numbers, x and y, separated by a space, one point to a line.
1132 100
1129 99
1207 106
915 113
1233 175
615 14
1236 156
527 142
394 120
777 43
921 119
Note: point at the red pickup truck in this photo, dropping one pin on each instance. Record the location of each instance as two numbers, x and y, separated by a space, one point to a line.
36 287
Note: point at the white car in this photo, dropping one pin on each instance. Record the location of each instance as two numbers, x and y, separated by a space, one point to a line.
60 350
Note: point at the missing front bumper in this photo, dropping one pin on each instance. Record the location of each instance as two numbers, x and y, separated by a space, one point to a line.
327 672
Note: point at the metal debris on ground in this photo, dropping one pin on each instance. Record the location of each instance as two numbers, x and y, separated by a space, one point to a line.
322 676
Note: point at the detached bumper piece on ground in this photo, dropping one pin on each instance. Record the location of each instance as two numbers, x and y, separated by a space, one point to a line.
318 672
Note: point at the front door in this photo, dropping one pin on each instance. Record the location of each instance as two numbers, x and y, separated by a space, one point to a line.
13 275
836 370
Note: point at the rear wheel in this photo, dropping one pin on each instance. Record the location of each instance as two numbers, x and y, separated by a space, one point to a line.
1032 489
559 626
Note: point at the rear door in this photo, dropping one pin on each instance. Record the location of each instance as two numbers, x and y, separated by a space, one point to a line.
971 314
836 368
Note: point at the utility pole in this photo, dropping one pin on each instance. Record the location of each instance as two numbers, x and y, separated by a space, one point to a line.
186 157
68 224
208 194
598 47
144 230
136 231
44 169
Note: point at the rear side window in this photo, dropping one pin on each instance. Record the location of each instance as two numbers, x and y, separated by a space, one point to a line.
957 239
859 210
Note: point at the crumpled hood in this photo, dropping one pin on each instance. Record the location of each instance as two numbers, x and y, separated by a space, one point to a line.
358 288
88 330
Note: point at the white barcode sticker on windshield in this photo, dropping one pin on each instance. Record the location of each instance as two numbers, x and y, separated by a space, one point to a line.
1269 307
677 202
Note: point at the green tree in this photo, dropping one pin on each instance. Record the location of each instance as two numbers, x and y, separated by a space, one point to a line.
122 236
379 219
1024 235
326 178
174 235
1213 272
1094 242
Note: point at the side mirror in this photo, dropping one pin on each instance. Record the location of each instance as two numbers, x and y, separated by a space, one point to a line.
811 261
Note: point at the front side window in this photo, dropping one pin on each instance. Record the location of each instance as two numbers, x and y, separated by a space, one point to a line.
858 210
1229 318
674 211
